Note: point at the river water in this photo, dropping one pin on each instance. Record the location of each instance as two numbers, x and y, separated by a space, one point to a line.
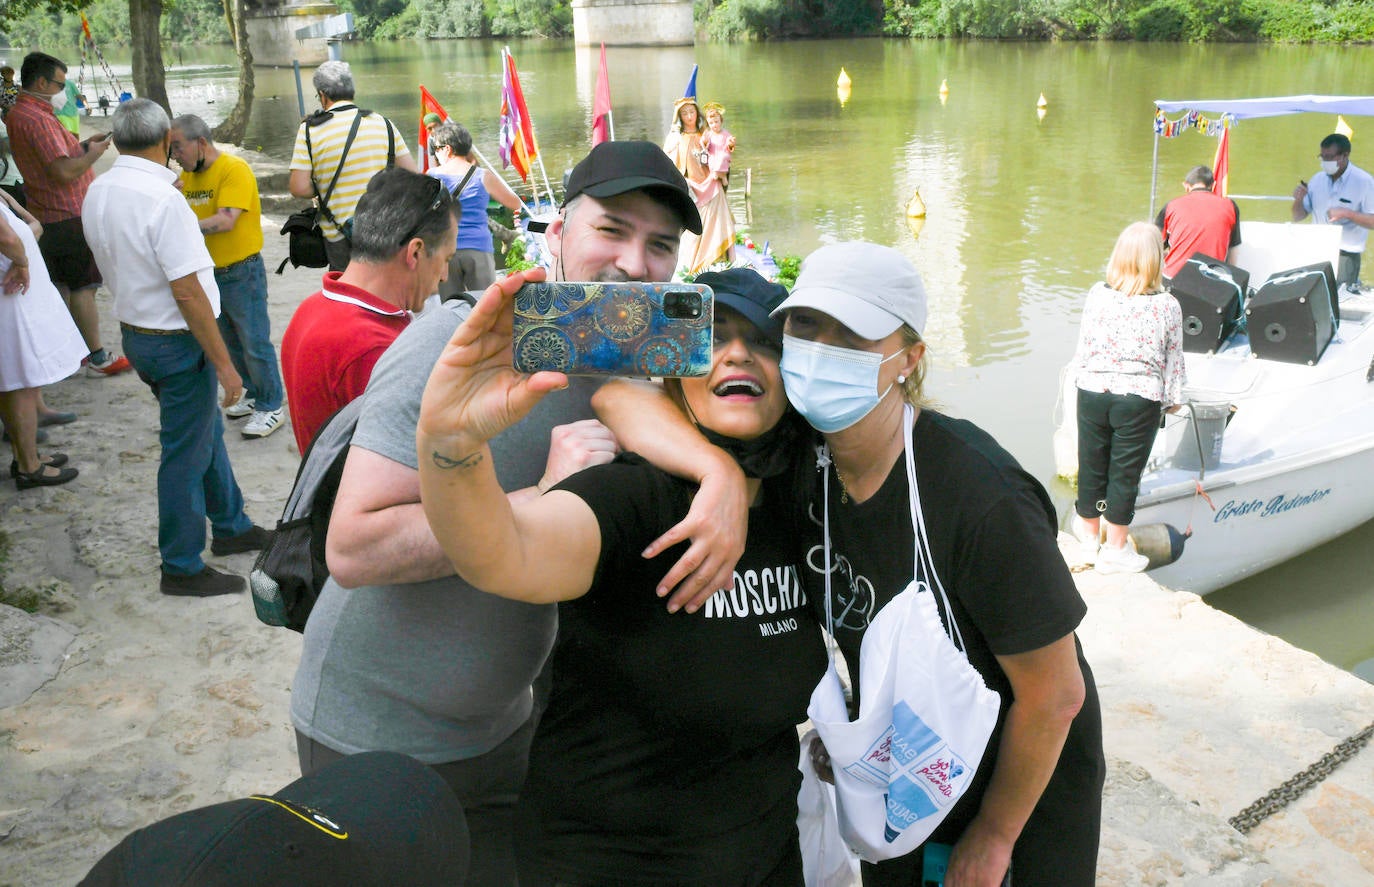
1022 208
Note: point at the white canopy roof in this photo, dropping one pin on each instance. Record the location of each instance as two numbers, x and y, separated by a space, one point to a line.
1275 107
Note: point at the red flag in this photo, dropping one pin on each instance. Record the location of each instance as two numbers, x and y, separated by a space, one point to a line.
428 105
1221 165
518 147
601 104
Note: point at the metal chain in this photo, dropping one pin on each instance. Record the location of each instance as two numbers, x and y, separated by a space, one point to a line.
1291 790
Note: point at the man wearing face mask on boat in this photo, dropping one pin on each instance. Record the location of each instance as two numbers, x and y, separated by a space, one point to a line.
1343 194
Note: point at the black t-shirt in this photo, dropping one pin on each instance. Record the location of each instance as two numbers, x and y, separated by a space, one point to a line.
992 534
668 751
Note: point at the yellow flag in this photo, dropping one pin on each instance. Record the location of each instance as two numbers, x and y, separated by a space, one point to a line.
1343 128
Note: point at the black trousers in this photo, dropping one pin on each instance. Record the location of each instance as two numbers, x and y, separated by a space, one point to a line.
1115 434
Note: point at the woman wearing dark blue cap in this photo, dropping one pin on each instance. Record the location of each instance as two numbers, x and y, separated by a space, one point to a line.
667 753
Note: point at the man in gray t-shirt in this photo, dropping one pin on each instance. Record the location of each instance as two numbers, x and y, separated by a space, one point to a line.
402 655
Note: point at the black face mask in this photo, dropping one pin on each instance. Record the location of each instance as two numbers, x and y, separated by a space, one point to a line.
769 454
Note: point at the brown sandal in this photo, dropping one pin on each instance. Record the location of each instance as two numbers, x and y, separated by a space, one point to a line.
55 460
27 480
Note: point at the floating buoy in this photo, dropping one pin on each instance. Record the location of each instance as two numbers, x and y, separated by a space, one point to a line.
1161 543
1042 103
844 82
944 87
916 207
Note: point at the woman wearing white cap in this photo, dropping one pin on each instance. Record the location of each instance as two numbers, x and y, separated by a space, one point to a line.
853 364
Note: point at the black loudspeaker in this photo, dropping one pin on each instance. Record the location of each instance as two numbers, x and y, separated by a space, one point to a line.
1292 317
1210 293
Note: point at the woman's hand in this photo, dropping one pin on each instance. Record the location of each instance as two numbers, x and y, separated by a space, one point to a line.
716 525
576 446
820 760
16 279
473 392
980 859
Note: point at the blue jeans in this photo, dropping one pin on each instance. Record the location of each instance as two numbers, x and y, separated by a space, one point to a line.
247 331
194 478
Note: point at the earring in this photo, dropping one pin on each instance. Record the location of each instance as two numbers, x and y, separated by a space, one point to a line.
901 380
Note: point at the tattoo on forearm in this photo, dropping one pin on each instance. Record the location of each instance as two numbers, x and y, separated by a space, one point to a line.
472 460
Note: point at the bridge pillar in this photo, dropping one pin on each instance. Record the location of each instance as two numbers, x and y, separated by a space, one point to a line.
272 33
633 22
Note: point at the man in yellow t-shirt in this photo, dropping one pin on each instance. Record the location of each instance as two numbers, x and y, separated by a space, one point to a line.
376 145
223 193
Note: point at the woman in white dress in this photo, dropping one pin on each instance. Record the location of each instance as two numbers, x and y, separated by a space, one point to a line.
39 345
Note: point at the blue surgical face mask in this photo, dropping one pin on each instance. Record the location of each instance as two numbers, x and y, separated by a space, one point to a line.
832 387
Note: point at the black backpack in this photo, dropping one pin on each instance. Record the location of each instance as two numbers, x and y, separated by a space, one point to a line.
289 573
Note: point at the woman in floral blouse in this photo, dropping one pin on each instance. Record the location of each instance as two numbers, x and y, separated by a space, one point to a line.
1129 368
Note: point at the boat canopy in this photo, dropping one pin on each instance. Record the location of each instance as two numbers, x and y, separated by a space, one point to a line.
1242 109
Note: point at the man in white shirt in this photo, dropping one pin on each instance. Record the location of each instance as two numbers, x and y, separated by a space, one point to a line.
1341 194
153 258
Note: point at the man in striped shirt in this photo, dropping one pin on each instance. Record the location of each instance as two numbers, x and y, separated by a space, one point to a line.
57 171
376 145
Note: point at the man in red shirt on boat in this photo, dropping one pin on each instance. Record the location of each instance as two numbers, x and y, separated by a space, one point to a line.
1197 222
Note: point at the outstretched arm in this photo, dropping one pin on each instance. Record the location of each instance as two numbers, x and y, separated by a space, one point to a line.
537 550
646 422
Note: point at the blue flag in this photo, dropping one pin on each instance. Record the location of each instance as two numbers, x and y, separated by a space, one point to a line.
691 92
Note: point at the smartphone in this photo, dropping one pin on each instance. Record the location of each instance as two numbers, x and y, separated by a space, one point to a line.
622 329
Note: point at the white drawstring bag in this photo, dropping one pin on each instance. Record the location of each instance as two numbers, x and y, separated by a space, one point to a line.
925 715
828 861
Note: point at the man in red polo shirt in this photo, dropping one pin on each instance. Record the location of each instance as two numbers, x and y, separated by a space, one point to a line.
1197 222
57 171
336 336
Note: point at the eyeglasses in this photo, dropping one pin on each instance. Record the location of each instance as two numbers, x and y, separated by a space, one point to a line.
439 193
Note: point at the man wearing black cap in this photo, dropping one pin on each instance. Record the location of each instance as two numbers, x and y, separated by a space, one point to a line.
402 655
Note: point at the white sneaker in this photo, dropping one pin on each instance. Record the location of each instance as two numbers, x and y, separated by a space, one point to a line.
243 408
1120 560
264 422
1085 552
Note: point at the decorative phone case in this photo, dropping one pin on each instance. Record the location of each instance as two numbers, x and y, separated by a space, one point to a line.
632 329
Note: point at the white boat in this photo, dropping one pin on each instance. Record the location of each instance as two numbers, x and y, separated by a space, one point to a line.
1294 466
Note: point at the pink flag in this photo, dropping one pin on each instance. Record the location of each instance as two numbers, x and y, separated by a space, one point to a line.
602 131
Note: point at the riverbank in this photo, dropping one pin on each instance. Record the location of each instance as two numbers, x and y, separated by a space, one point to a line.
119 706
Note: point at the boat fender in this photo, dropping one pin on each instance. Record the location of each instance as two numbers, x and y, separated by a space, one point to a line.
1161 543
